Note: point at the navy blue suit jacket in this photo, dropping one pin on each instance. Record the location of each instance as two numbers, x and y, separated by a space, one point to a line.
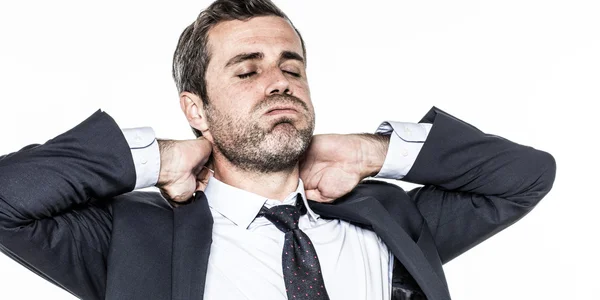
68 214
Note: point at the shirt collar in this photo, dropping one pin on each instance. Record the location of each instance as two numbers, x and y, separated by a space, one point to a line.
241 207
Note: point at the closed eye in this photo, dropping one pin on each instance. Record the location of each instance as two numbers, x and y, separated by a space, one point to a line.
293 73
246 75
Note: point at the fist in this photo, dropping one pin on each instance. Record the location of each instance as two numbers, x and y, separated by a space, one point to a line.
335 163
182 170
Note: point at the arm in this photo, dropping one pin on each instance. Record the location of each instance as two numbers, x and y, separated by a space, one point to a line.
50 220
475 184
55 210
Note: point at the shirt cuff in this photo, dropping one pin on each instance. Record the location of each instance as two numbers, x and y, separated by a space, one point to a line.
145 153
406 142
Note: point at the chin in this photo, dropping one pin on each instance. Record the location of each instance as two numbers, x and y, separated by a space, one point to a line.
281 137
285 138
285 127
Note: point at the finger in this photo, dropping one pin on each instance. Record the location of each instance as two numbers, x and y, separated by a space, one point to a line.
315 195
174 198
165 194
182 197
202 178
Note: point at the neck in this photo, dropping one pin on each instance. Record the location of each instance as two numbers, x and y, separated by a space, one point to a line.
274 185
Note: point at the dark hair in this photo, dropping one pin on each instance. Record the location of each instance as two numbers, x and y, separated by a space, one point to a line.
192 55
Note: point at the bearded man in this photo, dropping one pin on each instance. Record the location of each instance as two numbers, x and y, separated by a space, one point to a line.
282 214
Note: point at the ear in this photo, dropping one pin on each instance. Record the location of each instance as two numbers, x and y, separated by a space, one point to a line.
193 109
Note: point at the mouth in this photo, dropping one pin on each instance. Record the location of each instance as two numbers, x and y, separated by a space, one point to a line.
278 110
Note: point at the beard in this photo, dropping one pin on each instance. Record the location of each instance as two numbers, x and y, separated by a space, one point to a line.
251 147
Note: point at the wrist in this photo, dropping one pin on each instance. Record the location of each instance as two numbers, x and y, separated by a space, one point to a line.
166 149
374 150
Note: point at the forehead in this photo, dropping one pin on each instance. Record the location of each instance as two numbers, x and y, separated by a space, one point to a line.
259 34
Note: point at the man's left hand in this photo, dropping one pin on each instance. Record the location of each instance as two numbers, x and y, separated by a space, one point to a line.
335 163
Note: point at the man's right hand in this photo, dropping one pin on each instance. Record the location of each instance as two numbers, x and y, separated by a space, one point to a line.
182 170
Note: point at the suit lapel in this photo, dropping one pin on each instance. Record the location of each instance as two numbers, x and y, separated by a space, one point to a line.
192 237
369 212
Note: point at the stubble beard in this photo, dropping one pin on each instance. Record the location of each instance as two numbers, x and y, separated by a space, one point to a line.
252 148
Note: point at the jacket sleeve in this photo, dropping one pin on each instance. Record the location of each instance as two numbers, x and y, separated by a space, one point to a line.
50 219
475 184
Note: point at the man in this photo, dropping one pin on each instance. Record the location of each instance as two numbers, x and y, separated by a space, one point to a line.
65 210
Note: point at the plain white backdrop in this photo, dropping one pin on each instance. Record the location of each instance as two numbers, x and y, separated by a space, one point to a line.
528 70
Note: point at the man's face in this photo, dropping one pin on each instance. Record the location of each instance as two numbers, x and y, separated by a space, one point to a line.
260 115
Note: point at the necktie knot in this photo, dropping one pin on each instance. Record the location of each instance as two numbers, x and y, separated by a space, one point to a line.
284 217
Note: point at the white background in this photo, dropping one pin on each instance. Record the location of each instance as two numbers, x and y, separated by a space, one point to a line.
528 70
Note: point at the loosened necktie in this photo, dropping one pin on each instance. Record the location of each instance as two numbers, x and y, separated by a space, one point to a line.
301 268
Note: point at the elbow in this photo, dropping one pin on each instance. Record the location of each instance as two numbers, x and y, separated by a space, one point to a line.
7 222
549 173
9 217
542 175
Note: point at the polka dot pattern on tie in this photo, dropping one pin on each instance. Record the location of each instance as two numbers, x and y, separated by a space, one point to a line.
301 268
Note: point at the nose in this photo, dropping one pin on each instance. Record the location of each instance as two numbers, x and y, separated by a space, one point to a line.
278 84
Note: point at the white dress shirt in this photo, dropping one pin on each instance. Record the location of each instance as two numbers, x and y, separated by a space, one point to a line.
245 255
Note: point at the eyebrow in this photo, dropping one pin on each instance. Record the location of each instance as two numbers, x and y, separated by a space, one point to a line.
285 55
244 57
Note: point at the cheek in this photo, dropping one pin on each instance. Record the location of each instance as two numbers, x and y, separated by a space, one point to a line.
303 92
233 97
234 109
